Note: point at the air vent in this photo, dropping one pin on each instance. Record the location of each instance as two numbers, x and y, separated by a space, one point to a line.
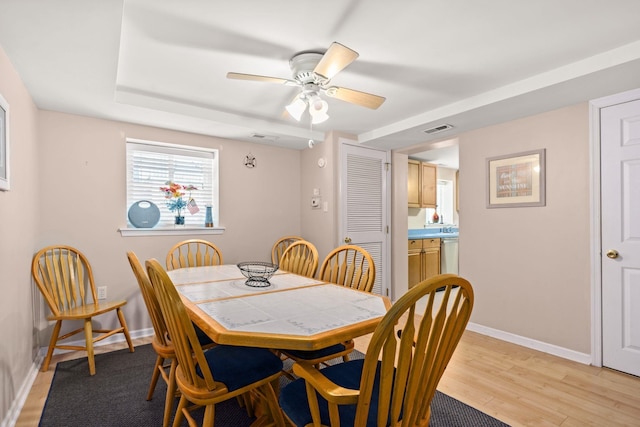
267 137
437 129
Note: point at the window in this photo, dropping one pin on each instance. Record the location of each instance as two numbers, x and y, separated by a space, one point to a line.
445 203
150 165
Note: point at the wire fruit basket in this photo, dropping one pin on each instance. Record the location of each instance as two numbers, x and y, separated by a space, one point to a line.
257 273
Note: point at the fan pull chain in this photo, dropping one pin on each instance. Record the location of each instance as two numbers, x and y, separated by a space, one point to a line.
311 141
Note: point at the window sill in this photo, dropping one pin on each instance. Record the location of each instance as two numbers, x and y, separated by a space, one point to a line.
170 231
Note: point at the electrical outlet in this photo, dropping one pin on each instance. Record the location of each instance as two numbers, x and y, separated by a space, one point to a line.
102 292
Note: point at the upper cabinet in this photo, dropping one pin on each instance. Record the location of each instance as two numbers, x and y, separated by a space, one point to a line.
413 189
421 184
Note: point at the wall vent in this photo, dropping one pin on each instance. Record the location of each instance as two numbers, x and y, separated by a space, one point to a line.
437 129
267 137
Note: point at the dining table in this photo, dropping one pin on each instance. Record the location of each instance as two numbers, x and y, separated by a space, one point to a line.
290 311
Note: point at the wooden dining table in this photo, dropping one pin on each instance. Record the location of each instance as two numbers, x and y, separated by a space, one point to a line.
293 312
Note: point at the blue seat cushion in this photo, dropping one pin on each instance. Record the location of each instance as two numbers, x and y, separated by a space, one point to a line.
316 354
202 337
237 366
294 402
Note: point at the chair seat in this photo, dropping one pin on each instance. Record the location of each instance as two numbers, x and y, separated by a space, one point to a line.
237 366
90 310
203 338
316 354
294 402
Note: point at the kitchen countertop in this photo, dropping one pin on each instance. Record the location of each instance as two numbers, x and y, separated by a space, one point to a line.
433 233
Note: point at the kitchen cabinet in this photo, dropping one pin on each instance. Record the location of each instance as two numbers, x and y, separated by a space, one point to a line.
424 260
421 184
413 183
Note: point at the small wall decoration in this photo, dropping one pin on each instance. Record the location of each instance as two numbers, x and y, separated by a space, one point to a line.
4 144
516 180
250 161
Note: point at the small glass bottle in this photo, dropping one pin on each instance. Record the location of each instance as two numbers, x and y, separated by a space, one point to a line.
435 218
208 218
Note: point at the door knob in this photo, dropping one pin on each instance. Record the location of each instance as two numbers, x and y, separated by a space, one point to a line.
612 253
347 240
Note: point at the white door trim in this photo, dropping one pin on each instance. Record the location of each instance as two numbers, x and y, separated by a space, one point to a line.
596 272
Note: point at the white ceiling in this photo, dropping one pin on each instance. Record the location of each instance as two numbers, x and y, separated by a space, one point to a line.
465 63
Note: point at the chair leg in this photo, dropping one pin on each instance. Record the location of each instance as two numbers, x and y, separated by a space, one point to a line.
88 336
244 400
171 394
125 330
181 405
155 376
271 414
52 346
209 415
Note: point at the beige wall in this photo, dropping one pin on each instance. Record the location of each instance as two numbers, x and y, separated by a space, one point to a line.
318 226
83 198
399 225
19 216
530 266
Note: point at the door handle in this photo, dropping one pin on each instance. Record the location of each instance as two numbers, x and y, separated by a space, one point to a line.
347 240
612 253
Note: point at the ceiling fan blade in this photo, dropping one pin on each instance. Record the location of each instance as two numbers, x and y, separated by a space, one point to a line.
335 59
255 77
355 97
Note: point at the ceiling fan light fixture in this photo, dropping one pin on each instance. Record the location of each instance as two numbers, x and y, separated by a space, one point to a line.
319 117
317 105
318 109
296 108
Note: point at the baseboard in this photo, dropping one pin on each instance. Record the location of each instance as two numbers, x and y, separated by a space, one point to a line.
16 406
531 343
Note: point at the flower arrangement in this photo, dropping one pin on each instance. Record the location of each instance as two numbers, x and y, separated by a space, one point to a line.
174 194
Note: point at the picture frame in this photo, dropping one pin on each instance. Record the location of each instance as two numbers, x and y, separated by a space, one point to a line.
4 145
516 180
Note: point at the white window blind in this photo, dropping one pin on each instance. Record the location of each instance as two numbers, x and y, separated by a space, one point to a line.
150 165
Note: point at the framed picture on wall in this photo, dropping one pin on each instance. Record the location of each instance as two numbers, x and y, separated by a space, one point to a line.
516 180
4 144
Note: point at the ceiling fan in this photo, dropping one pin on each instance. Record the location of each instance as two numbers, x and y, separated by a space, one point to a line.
312 73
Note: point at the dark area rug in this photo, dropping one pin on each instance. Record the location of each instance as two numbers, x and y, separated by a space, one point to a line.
116 396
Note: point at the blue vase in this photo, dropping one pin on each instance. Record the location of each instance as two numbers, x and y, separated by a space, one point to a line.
208 218
179 220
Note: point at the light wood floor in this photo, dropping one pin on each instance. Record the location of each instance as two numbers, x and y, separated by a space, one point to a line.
519 386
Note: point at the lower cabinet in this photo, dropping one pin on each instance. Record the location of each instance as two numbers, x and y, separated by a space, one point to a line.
424 260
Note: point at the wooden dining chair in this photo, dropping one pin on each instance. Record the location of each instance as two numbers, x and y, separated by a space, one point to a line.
161 343
193 253
280 245
300 257
65 279
350 266
396 381
166 361
222 372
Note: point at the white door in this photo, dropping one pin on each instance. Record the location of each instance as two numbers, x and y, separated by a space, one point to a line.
620 205
364 205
